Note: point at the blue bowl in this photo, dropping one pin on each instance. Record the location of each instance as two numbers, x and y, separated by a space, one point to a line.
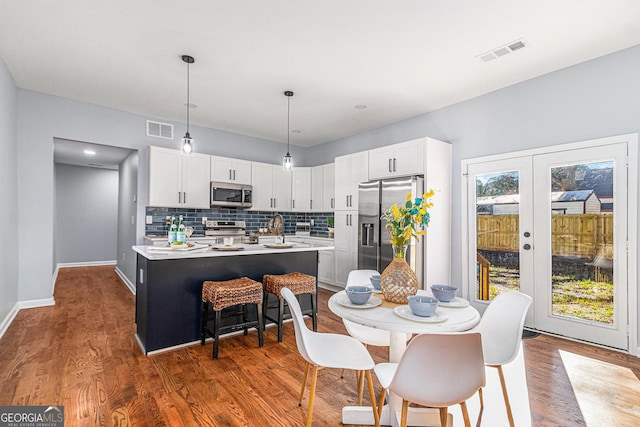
444 293
358 295
375 281
422 306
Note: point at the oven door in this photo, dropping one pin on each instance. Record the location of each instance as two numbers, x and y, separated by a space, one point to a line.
225 194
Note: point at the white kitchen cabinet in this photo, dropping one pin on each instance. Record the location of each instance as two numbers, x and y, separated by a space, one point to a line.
345 241
350 170
325 267
271 187
317 188
225 169
301 189
405 158
328 187
178 180
322 188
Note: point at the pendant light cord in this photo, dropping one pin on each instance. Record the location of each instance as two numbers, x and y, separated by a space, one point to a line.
288 119
187 97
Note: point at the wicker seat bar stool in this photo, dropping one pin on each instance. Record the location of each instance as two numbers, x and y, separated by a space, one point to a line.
299 284
228 293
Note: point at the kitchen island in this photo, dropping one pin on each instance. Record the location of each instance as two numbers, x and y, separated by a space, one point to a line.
169 285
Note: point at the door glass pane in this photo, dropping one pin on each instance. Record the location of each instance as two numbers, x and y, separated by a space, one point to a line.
497 233
582 241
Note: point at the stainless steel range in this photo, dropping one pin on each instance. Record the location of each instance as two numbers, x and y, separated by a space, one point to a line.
221 229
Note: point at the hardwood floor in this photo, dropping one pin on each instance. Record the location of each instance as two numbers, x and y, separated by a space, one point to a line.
81 353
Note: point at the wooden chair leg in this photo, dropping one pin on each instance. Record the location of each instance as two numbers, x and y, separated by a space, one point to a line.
312 394
405 409
245 316
260 325
479 420
342 373
314 318
506 396
216 333
444 412
465 414
383 394
360 376
304 383
280 317
372 396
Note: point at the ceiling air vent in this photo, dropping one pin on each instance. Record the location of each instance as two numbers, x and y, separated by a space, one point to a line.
159 130
502 50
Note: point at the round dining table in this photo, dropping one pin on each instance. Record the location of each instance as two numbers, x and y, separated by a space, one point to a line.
458 316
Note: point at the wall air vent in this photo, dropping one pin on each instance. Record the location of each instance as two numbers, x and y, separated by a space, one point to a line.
159 130
502 50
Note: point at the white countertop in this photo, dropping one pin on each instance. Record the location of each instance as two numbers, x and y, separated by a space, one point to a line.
205 251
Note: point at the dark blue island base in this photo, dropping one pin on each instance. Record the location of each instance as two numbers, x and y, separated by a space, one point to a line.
168 291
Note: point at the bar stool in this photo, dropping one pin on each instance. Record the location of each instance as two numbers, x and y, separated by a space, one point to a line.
298 283
230 293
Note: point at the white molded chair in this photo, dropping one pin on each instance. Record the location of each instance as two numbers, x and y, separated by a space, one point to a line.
501 328
438 371
329 351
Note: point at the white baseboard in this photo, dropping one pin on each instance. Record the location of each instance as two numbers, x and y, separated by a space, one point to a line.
35 303
126 281
8 319
85 264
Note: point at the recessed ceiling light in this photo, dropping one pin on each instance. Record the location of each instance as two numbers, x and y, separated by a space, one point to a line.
360 107
89 152
296 131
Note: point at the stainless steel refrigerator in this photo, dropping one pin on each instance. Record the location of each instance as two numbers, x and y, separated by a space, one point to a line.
374 244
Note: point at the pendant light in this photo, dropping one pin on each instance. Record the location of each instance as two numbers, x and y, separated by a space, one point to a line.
287 161
187 141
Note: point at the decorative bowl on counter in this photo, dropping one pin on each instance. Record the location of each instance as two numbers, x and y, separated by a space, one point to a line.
375 281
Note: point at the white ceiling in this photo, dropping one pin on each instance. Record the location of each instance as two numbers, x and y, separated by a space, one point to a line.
400 58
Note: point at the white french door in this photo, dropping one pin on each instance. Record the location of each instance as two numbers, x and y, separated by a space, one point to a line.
554 226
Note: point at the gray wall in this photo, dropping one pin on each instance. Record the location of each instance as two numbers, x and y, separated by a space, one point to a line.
9 213
127 209
86 214
598 98
41 118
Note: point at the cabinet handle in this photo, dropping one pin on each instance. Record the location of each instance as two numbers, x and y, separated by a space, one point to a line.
390 166
179 197
394 164
346 217
293 204
230 175
275 202
234 174
184 197
332 206
310 204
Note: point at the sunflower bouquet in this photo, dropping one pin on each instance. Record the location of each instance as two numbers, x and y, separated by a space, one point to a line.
409 219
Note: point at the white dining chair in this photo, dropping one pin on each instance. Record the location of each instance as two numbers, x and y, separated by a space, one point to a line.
328 351
501 329
437 371
365 334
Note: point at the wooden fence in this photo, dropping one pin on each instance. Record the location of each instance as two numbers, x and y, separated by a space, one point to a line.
582 236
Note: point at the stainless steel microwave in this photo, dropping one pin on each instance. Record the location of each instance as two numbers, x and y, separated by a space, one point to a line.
230 195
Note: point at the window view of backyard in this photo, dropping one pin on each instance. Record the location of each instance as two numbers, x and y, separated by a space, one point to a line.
582 238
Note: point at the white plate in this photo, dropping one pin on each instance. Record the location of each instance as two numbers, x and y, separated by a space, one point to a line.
405 312
456 303
343 299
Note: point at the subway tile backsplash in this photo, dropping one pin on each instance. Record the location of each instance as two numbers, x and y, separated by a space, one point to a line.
253 219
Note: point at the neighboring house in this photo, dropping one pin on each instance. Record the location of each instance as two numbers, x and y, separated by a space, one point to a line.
562 202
